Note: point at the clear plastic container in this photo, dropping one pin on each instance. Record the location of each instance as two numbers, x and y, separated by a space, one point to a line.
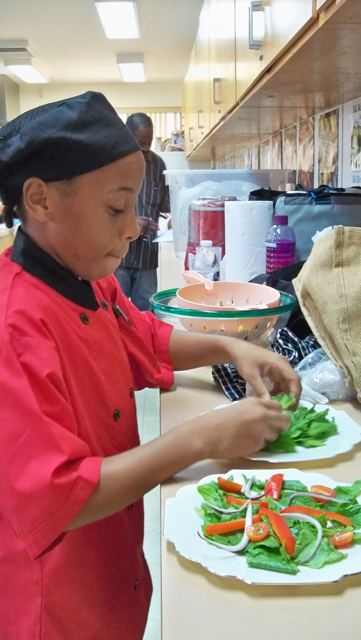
206 260
280 244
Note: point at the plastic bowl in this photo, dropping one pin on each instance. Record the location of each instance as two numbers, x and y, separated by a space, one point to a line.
225 295
258 326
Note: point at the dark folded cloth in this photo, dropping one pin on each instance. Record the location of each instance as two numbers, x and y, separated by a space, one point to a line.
286 343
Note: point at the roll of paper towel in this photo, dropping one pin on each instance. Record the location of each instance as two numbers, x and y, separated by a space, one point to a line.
246 226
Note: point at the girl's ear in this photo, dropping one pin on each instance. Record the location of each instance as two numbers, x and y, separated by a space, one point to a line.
36 198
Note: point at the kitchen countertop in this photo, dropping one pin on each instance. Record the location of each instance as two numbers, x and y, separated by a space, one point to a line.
200 605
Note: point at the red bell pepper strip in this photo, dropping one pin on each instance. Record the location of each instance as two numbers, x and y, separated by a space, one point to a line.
330 515
240 501
274 486
281 529
229 485
232 525
315 513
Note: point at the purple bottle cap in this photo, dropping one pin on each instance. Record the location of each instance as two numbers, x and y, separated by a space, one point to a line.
280 219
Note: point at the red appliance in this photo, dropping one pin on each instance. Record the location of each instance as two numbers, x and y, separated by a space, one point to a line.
206 222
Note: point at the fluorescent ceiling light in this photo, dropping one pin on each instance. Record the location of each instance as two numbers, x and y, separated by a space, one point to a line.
131 67
26 69
119 19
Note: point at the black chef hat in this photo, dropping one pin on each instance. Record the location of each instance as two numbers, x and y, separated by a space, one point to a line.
61 140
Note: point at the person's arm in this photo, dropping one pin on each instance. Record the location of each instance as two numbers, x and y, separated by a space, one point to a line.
238 430
190 350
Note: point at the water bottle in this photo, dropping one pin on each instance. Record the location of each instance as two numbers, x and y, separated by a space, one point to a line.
280 244
206 260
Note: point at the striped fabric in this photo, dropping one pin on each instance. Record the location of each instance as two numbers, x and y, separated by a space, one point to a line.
152 200
286 344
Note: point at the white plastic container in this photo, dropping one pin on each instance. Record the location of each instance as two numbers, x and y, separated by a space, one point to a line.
188 185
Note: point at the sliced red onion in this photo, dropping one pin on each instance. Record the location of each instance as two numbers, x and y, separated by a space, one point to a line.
241 508
245 540
252 495
316 495
306 518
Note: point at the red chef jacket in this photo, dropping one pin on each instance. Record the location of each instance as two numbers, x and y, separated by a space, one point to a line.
69 365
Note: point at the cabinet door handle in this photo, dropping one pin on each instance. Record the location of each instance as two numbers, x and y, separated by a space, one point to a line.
215 81
200 126
190 136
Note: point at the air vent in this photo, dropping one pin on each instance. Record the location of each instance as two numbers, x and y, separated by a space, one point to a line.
15 48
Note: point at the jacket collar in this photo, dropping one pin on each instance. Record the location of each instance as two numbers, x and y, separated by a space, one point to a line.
43 266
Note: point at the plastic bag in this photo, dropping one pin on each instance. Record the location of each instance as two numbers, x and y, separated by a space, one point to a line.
322 380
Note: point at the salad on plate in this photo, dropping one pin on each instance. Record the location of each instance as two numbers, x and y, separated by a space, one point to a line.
280 524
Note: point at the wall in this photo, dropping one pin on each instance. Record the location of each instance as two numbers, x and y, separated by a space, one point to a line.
120 95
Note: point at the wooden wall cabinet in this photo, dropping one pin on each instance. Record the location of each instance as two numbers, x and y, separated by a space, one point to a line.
309 62
222 58
189 106
248 64
202 77
285 22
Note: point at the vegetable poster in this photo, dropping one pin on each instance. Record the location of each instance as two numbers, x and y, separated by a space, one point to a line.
265 154
356 138
290 154
276 162
255 157
306 153
328 148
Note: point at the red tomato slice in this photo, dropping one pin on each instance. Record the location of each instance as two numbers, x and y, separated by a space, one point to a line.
341 539
325 491
258 531
229 485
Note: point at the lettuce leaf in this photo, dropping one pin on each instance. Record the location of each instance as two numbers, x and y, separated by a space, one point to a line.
309 428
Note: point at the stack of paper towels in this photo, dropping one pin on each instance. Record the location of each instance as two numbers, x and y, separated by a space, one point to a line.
246 226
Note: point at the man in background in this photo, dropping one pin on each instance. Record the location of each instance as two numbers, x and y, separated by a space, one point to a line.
137 273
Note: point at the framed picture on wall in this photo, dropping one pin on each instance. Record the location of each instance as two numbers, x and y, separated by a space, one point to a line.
239 160
289 156
306 152
355 160
255 156
328 152
265 154
276 157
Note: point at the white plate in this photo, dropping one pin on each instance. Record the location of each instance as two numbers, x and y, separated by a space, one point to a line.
349 434
181 524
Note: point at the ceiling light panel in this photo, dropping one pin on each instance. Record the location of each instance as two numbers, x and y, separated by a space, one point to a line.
26 69
119 19
131 67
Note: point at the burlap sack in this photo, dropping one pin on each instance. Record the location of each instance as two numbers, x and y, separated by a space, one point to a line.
328 289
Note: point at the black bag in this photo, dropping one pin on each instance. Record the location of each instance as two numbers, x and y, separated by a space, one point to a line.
265 193
312 211
281 279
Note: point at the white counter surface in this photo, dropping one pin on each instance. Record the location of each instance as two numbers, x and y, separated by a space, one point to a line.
198 605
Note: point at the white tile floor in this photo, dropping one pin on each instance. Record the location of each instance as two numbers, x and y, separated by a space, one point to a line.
149 427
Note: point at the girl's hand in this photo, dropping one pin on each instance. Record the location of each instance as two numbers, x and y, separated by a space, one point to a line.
242 428
256 363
